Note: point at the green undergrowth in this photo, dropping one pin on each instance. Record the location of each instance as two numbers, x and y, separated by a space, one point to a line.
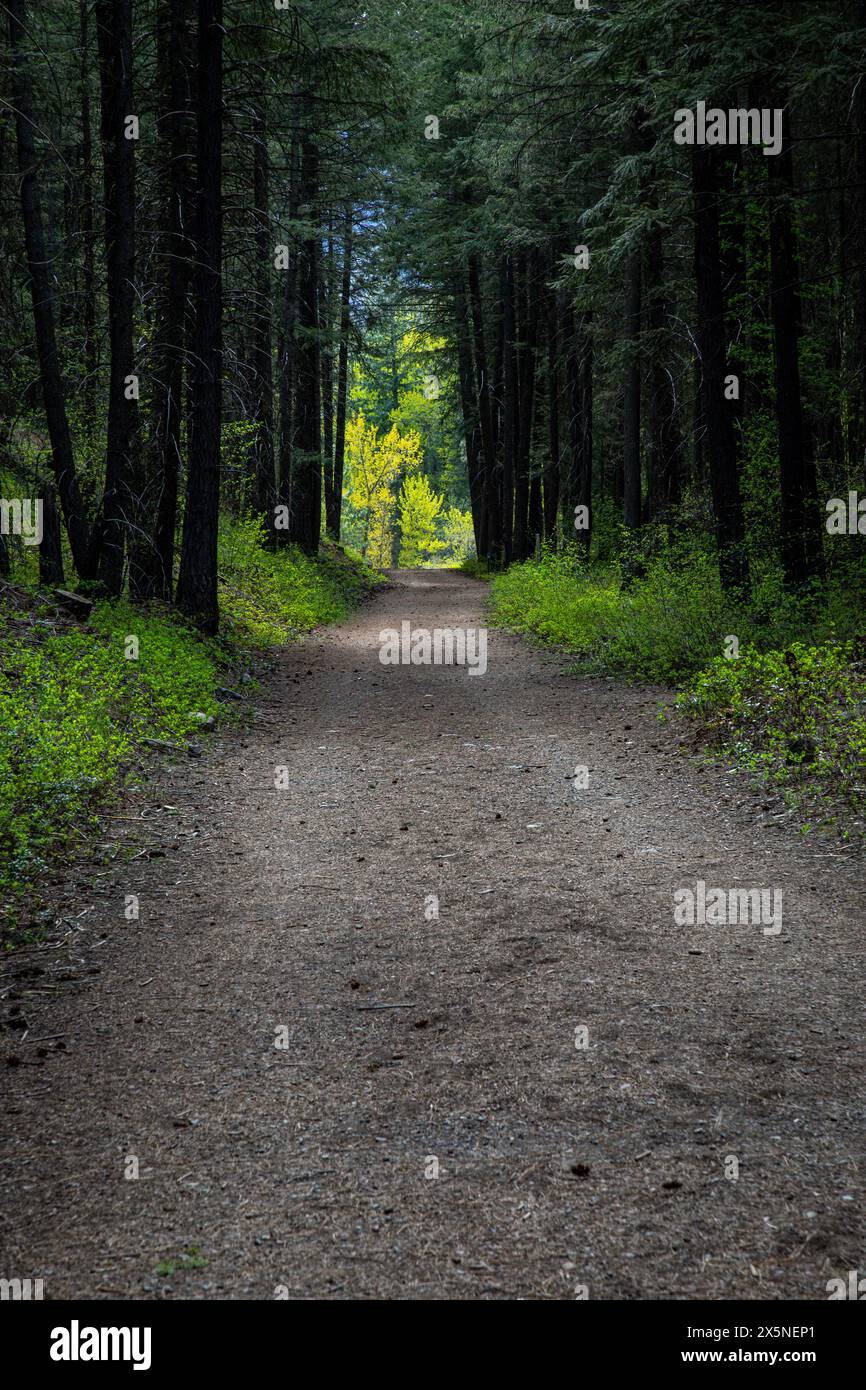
797 717
76 705
776 683
268 597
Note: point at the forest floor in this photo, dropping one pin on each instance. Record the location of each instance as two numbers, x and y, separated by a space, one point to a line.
309 1167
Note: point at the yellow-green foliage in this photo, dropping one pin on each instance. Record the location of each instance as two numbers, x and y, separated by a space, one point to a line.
374 464
420 507
792 714
74 709
267 597
557 601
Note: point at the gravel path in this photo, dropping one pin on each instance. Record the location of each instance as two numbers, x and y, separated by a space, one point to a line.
414 1042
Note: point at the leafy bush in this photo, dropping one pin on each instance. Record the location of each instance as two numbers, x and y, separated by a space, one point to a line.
792 715
673 620
791 705
267 597
74 710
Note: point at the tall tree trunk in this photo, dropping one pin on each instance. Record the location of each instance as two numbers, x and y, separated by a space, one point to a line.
53 393
509 407
585 437
305 510
719 419
197 581
326 310
287 357
801 539
88 307
469 415
490 528
663 436
50 546
631 415
529 299
578 347
264 482
121 499
333 519
176 252
552 470
859 202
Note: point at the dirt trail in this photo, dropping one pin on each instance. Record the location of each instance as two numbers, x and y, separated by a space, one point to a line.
451 1039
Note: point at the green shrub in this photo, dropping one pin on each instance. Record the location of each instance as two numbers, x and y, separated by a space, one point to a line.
798 716
74 710
267 597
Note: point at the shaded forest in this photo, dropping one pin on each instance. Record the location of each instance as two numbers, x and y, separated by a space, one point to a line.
215 223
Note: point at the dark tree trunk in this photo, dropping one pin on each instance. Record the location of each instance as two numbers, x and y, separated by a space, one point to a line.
584 474
305 510
577 340
859 208
326 308
287 359
264 482
121 499
53 393
631 415
552 469
197 581
663 434
50 547
509 408
483 383
88 307
526 405
469 415
333 519
800 524
175 256
719 419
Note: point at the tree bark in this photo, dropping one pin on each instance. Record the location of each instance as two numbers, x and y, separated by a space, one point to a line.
553 467
631 428
305 509
719 420
176 253
120 501
490 522
509 407
469 414
663 433
334 518
529 299
287 356
801 541
53 392
89 278
197 581
261 352
326 306
50 547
